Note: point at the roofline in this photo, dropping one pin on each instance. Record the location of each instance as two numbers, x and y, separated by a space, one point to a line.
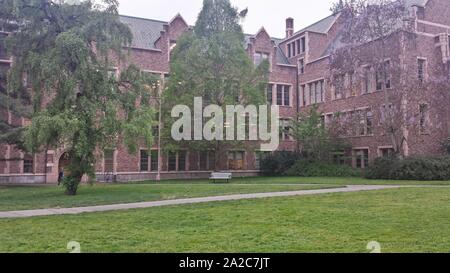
142 18
305 29
178 15
146 49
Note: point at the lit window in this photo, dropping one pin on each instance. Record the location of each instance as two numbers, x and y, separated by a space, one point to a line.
236 160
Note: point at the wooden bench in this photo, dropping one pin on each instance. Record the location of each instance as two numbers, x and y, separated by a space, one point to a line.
221 176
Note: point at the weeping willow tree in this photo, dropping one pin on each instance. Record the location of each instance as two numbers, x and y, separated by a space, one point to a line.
66 50
211 62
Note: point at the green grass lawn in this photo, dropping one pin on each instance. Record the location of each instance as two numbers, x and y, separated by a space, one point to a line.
401 220
36 197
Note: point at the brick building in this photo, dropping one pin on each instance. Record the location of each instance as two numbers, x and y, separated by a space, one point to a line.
299 78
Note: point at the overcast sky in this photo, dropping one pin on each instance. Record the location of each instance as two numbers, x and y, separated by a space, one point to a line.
268 13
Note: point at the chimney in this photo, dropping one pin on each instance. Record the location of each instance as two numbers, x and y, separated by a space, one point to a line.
289 27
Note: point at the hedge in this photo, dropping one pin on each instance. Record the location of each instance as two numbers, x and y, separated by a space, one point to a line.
421 168
277 163
305 168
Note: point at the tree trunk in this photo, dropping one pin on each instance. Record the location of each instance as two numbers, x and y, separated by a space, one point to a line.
217 155
72 184
45 163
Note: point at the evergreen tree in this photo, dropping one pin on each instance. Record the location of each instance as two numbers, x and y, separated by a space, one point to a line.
76 102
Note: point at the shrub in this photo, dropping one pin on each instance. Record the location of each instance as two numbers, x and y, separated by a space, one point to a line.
381 168
305 168
421 168
276 164
446 145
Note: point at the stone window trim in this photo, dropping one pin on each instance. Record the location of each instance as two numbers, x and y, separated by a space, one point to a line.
387 78
149 154
307 91
274 94
296 46
368 79
381 148
51 155
23 157
263 56
368 84
355 155
177 163
363 110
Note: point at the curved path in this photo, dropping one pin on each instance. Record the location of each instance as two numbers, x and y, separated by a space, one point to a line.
116 207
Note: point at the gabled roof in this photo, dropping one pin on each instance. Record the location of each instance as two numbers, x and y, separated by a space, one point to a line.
322 26
280 57
145 31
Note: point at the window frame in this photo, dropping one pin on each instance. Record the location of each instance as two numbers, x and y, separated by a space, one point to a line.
281 97
28 164
234 153
424 119
144 167
177 161
109 162
424 62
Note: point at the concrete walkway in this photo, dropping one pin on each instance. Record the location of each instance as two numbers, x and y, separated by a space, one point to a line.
116 207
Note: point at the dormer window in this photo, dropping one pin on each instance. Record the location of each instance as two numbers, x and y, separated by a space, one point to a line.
259 57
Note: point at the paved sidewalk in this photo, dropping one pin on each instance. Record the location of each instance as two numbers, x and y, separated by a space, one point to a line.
116 207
